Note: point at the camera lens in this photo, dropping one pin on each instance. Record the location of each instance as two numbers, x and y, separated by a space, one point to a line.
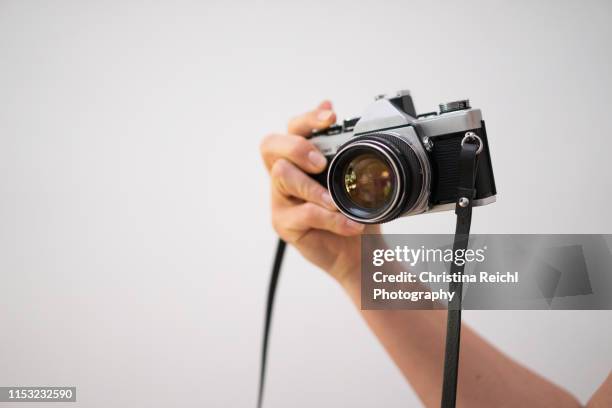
368 181
375 178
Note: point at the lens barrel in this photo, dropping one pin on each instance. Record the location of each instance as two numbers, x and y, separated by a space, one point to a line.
375 178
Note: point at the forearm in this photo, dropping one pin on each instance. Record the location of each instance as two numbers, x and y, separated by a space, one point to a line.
603 396
415 341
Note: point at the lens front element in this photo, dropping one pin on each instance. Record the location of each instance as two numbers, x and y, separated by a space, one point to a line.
369 181
374 178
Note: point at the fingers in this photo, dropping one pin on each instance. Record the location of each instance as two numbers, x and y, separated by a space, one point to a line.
289 181
306 216
325 105
321 117
299 203
294 148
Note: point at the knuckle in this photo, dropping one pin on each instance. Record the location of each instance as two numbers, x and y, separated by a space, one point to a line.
340 223
280 222
266 141
312 190
276 224
280 169
310 212
303 190
300 148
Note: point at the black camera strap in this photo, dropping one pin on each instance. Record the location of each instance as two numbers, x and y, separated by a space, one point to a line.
468 163
278 260
463 209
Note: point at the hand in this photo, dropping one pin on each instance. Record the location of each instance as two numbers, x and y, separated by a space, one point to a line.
303 213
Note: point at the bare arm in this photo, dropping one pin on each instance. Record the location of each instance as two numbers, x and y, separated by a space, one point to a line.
415 341
603 396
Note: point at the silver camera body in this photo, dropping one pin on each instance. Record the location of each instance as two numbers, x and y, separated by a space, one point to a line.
419 152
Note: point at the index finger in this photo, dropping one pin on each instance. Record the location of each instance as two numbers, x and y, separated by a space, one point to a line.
320 118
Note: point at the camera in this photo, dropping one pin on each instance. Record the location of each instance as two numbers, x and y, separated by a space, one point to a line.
391 162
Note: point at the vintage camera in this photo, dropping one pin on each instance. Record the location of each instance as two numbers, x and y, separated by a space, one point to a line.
391 162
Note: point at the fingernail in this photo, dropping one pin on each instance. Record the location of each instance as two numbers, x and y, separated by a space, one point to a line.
324 115
317 159
328 200
354 225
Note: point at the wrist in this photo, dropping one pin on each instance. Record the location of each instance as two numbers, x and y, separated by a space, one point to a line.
346 269
347 272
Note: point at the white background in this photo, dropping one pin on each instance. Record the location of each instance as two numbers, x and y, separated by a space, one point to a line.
134 228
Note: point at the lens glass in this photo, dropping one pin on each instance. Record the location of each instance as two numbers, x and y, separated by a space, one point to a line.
369 181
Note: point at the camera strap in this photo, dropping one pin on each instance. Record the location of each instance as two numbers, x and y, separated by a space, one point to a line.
468 162
278 260
463 209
